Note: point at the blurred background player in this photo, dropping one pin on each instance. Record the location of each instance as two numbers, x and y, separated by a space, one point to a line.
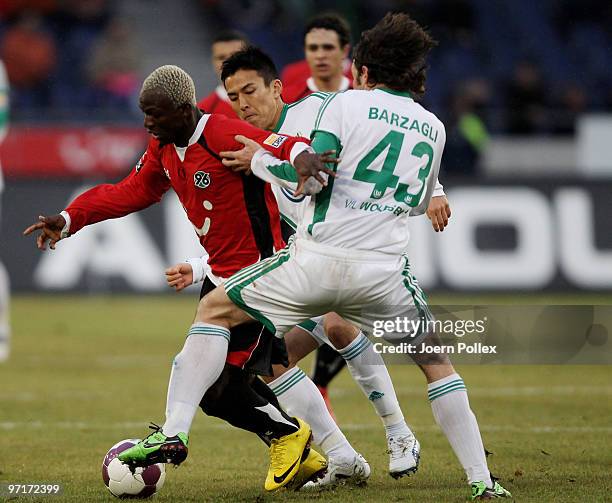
223 46
5 330
326 67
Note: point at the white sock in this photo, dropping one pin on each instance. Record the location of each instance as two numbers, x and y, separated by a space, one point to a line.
194 370
370 373
5 331
451 410
299 396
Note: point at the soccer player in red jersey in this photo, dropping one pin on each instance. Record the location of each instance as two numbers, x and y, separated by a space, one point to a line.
327 68
236 219
223 46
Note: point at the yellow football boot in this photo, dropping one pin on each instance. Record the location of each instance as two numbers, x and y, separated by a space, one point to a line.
311 470
286 455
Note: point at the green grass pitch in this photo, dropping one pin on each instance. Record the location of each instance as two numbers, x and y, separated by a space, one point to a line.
86 372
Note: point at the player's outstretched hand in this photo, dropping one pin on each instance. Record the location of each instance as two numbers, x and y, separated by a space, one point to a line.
179 276
240 160
309 164
439 212
51 230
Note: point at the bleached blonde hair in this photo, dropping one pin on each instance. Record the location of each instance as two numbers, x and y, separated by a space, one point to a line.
173 82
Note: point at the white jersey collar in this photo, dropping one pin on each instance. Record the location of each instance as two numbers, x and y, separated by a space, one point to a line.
194 137
344 84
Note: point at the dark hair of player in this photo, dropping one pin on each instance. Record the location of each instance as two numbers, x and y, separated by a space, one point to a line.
334 22
230 36
250 58
395 52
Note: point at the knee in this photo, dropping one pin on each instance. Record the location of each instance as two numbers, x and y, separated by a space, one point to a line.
339 332
204 308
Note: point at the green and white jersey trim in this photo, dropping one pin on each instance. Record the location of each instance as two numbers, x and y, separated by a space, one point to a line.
296 119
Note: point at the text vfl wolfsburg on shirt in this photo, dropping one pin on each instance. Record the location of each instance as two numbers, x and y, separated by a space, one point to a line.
390 150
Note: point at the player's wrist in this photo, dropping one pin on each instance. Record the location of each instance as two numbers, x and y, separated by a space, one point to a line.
297 149
65 232
198 269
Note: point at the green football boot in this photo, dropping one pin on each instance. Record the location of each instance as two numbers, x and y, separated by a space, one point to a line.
156 448
480 491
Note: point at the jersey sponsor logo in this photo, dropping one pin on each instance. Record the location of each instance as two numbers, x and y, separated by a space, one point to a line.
370 207
275 140
201 179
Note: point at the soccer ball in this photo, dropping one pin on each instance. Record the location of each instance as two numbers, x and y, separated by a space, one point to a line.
120 480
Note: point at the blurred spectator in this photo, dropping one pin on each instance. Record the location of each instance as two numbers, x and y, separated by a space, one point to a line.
451 19
57 60
467 133
87 11
29 52
10 8
525 97
571 104
326 47
114 66
223 46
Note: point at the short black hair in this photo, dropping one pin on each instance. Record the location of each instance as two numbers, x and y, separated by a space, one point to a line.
230 36
331 21
250 58
395 53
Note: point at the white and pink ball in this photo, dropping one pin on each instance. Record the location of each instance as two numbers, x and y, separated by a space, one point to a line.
120 480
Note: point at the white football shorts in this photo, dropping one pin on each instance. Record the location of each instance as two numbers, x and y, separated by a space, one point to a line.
307 279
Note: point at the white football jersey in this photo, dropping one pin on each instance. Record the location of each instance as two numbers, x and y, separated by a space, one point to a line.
297 119
390 152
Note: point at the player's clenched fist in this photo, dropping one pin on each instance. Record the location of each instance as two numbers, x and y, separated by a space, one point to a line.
179 276
439 212
51 228
308 164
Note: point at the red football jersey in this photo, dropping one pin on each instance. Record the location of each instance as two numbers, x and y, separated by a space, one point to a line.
235 216
296 84
217 102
